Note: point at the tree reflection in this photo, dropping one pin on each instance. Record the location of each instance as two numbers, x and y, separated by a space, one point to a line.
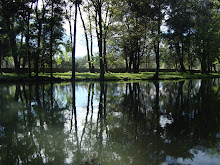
28 125
108 123
172 132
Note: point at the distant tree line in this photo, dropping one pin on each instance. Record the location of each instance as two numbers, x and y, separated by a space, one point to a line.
178 34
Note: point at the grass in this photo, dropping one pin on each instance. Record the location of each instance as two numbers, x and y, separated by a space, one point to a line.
108 76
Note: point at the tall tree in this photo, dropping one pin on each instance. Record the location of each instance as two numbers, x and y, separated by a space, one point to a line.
180 22
51 37
139 23
0 56
91 38
101 18
40 17
74 41
206 33
10 14
157 17
27 19
98 6
52 34
91 67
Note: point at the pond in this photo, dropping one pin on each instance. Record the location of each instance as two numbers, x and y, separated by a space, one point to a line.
157 122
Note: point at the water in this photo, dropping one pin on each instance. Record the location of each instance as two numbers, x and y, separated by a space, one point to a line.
164 122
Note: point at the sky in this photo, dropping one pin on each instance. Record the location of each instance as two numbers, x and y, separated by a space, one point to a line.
80 38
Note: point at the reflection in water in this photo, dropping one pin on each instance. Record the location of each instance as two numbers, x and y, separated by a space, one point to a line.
111 123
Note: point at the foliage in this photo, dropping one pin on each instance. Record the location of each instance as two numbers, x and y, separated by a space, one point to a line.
150 34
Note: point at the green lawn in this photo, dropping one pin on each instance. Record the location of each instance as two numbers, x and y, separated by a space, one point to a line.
108 76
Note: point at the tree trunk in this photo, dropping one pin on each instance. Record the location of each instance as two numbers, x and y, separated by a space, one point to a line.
157 52
100 40
28 44
37 55
104 53
209 66
0 57
136 57
126 62
135 67
91 43
74 44
182 69
36 62
24 61
157 46
138 62
91 51
87 40
51 41
179 55
130 63
12 40
25 55
203 65
70 28
146 60
14 52
106 25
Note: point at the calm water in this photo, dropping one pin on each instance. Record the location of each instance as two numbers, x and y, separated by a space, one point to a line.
151 123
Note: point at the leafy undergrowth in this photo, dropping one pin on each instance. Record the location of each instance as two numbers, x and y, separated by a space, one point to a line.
108 76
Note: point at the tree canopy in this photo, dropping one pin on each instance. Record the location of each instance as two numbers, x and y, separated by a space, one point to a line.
134 35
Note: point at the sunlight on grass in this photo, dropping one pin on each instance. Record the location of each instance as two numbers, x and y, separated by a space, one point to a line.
111 76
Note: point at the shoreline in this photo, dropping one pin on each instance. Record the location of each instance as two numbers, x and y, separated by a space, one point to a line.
88 77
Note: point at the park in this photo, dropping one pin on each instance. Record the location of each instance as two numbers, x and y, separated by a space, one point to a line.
109 82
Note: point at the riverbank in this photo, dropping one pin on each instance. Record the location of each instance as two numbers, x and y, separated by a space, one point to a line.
59 77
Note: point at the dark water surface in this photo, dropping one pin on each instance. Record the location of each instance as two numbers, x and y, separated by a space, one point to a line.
164 122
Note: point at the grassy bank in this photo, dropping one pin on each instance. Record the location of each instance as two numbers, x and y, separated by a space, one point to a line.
108 76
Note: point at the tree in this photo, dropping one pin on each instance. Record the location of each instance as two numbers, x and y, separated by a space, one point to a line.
206 33
129 32
74 43
101 17
180 23
27 18
98 6
9 15
139 23
0 58
91 66
157 16
51 37
40 17
50 34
